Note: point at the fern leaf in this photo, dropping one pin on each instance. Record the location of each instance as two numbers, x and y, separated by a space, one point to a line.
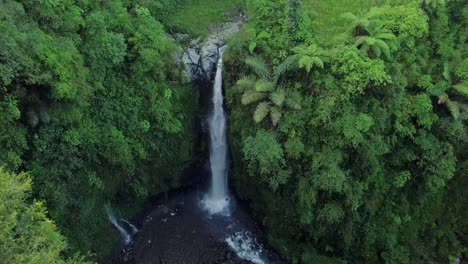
263 35
278 97
32 118
311 49
245 83
359 40
386 36
349 16
305 62
461 88
317 61
370 41
43 114
288 64
383 47
261 111
454 108
293 100
252 46
258 66
264 86
275 115
446 72
377 50
251 97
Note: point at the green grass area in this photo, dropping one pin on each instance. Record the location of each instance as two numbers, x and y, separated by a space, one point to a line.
327 22
196 16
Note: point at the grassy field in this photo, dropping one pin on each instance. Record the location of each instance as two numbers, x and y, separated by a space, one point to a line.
197 15
328 24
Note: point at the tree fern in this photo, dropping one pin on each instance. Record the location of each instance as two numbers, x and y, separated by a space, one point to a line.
307 57
370 35
264 89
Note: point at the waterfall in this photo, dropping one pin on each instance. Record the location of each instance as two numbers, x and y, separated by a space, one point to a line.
133 227
217 200
116 223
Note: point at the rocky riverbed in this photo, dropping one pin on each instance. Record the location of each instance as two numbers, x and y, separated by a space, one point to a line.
174 229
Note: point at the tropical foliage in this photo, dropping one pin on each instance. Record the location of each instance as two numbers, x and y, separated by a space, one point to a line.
371 168
93 105
26 234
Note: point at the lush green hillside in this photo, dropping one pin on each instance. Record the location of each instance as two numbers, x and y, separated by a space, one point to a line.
356 145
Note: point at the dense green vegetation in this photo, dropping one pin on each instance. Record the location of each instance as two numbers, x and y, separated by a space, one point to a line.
93 107
348 123
356 145
26 235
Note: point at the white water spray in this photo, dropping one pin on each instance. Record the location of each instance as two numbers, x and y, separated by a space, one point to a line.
217 200
116 223
133 227
246 247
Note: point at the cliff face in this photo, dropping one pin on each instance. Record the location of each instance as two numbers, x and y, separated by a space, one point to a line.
201 54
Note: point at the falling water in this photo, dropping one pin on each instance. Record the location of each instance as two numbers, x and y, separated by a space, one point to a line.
133 227
115 222
217 200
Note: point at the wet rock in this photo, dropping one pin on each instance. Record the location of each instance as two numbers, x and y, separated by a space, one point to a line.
201 55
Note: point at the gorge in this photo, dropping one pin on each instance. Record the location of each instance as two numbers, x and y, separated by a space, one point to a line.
199 224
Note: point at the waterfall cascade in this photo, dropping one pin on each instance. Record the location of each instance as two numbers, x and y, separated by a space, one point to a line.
217 200
116 222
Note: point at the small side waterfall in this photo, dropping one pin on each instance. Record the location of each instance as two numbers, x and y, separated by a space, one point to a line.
116 222
133 227
217 200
